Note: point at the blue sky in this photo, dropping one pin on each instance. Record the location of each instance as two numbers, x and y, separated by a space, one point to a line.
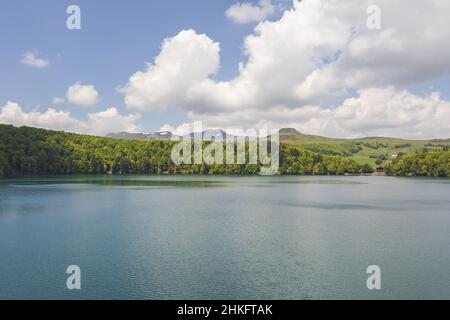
391 81
116 39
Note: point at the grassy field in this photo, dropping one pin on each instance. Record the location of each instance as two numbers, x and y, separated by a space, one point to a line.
373 150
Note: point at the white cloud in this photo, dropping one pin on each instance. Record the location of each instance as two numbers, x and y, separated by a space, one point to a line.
374 112
184 59
99 123
280 56
247 12
319 49
322 48
388 112
32 58
83 95
111 120
180 130
12 113
58 100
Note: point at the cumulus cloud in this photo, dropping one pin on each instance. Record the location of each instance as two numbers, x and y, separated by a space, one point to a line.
374 112
12 113
32 58
280 56
388 112
111 120
184 59
247 12
99 123
82 95
318 50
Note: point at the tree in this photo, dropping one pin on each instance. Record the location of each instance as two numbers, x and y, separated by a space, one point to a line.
367 168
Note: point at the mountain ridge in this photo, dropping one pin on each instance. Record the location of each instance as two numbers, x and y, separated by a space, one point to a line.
376 151
286 135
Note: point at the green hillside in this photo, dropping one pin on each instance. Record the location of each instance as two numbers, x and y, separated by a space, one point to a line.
377 151
31 151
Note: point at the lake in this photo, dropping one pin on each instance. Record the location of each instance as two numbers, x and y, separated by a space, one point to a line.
217 237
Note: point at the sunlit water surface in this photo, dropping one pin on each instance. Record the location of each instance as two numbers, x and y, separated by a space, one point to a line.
200 237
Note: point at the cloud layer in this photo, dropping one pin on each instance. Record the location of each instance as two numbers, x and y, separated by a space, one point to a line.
318 51
374 112
99 123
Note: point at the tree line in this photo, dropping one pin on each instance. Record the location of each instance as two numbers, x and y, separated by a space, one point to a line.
27 151
427 164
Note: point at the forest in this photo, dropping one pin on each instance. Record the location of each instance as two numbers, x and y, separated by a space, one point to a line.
27 151
428 164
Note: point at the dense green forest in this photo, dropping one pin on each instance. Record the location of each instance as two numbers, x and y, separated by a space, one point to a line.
32 151
431 164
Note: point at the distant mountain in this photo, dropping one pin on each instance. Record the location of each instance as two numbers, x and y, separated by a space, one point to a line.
287 135
290 135
160 136
166 135
210 134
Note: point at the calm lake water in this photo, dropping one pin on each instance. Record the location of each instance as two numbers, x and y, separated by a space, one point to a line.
198 237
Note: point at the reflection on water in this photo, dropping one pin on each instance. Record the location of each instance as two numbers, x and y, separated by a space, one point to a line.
120 182
222 237
176 181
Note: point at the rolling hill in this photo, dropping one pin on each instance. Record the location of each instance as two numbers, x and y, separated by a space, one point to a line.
373 150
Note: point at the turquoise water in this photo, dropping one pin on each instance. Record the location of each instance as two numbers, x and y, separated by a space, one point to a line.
146 237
